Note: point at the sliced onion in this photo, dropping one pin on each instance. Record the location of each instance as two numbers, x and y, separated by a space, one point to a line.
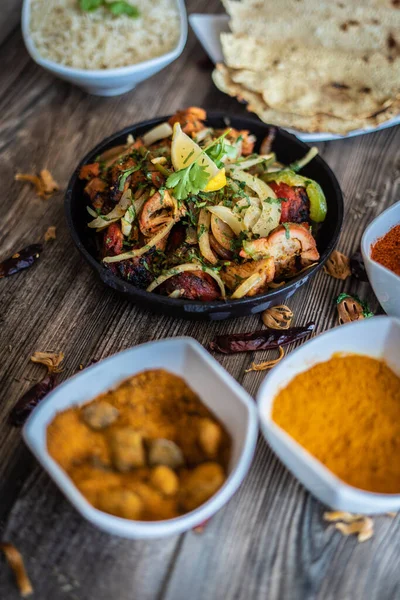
251 217
138 203
269 218
159 160
262 190
127 220
117 212
202 134
247 285
227 216
203 231
140 251
187 267
222 232
161 131
249 201
251 162
176 294
92 212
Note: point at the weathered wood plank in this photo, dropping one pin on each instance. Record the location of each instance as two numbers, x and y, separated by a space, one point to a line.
9 17
270 540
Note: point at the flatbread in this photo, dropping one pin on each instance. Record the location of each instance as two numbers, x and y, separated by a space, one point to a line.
335 24
222 77
336 83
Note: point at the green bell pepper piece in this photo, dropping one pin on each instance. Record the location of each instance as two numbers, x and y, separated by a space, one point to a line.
285 176
318 207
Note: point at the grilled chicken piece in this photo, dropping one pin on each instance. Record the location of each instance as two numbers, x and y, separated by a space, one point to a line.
296 206
287 245
89 171
157 211
113 240
233 275
194 285
191 119
94 188
135 270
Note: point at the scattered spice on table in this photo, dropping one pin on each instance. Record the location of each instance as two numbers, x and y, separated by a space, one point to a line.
277 317
28 401
264 339
351 308
349 524
386 250
346 413
50 234
44 183
16 562
357 266
338 265
264 366
353 524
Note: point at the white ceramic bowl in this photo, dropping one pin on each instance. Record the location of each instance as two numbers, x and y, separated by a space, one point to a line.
385 283
216 388
106 82
378 337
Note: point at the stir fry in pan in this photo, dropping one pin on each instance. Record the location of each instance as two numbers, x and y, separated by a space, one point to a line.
194 212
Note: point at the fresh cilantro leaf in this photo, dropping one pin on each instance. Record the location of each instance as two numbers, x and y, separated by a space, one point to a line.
220 149
125 175
188 181
120 7
287 230
89 5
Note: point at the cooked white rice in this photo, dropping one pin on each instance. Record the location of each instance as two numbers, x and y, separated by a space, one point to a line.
62 32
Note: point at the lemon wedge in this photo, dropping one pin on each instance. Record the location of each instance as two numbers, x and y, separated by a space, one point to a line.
185 151
216 183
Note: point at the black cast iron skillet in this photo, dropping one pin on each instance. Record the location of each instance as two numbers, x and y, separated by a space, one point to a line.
287 148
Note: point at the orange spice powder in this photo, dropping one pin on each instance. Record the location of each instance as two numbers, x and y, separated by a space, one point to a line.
386 250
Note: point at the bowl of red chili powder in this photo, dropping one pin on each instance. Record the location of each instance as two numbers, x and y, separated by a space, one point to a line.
380 248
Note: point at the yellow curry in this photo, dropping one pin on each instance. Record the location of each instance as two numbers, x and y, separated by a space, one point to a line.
147 450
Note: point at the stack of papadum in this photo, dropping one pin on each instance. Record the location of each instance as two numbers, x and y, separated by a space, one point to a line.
314 65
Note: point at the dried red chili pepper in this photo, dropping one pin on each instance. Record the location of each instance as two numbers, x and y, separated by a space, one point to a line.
23 259
31 399
264 339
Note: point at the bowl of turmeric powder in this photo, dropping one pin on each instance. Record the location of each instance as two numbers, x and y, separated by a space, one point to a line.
380 248
331 412
147 443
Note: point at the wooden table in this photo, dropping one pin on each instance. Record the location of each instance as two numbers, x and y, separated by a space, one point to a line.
270 541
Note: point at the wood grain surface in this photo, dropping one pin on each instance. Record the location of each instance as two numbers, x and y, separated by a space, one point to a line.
270 541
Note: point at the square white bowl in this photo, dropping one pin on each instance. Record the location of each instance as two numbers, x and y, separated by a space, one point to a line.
377 337
105 82
217 390
384 282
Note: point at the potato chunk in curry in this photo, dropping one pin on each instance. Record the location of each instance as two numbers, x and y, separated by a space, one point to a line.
147 450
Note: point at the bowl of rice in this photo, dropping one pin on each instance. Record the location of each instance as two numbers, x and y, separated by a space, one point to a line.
106 50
